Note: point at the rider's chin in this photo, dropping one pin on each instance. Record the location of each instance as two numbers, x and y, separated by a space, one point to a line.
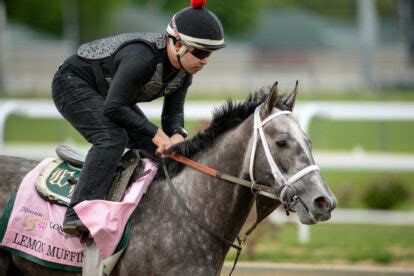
195 70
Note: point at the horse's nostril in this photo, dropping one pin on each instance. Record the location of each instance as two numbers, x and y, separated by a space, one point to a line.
322 203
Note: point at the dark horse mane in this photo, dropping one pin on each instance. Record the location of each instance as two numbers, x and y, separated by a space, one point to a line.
225 117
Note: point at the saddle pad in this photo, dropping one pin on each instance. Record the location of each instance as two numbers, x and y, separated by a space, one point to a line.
105 220
32 228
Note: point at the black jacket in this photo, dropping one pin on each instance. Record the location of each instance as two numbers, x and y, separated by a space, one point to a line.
135 64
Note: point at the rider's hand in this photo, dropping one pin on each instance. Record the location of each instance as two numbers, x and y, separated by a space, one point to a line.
162 141
176 138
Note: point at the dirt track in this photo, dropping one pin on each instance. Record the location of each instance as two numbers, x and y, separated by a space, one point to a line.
268 269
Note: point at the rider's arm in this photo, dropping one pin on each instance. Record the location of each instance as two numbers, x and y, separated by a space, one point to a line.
134 70
172 117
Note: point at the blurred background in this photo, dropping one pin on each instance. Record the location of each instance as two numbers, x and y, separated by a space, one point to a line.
330 46
354 60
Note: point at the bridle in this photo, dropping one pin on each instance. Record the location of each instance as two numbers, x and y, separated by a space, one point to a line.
264 190
285 184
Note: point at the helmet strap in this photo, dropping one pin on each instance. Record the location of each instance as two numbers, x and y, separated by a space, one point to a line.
182 50
181 65
178 54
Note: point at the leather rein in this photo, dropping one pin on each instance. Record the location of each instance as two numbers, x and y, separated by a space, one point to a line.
268 191
220 175
203 225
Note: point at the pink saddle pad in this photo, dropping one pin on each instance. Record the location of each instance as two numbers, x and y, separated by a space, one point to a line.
34 228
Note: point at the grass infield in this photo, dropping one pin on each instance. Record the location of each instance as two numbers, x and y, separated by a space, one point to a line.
332 244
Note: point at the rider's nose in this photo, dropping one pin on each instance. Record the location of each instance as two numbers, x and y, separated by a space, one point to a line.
324 204
204 61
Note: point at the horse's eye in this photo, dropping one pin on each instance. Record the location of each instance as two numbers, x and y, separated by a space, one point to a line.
282 144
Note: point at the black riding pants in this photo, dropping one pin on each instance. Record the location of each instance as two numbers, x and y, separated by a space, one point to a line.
81 104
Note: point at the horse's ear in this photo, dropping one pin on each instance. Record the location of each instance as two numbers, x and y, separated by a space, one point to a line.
271 100
289 102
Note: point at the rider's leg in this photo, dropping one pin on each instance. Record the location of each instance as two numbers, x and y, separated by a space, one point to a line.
81 104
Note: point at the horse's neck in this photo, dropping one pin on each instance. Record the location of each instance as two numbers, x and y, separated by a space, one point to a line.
221 204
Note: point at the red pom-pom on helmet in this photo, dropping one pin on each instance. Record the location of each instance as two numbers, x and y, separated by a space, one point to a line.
197 4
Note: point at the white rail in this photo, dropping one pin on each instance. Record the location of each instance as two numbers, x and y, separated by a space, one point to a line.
355 216
196 110
45 109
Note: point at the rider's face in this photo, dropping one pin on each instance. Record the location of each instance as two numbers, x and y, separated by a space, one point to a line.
191 63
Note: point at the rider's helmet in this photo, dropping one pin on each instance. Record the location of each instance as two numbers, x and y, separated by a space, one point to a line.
198 28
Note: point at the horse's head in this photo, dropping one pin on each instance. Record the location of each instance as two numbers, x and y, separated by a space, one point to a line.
281 143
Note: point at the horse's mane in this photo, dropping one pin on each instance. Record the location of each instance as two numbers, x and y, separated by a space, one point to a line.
225 117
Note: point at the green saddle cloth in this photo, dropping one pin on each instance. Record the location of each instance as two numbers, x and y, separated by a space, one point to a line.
57 182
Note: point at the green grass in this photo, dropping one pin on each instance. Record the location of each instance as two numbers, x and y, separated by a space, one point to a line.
326 135
24 130
331 243
350 186
372 136
21 129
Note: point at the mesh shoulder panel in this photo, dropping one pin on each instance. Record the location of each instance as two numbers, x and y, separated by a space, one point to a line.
105 47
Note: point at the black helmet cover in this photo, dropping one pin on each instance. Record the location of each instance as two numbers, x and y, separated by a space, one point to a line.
198 27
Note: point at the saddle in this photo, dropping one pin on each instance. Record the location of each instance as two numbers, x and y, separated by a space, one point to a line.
59 181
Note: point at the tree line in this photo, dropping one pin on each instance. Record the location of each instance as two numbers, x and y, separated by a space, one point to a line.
237 16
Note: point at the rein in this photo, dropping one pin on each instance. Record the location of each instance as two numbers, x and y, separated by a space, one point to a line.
268 191
235 180
203 225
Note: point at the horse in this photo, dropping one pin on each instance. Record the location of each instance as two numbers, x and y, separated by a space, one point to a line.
257 140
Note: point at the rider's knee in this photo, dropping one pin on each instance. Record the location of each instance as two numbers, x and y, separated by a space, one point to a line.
114 138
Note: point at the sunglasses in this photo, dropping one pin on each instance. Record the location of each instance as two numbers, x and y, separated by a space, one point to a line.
200 54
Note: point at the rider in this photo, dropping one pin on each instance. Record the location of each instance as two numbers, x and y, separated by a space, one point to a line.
97 89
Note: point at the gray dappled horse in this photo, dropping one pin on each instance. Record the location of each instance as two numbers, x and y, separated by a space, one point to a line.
164 239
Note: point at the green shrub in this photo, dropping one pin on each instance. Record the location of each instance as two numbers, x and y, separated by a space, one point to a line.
345 195
385 193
